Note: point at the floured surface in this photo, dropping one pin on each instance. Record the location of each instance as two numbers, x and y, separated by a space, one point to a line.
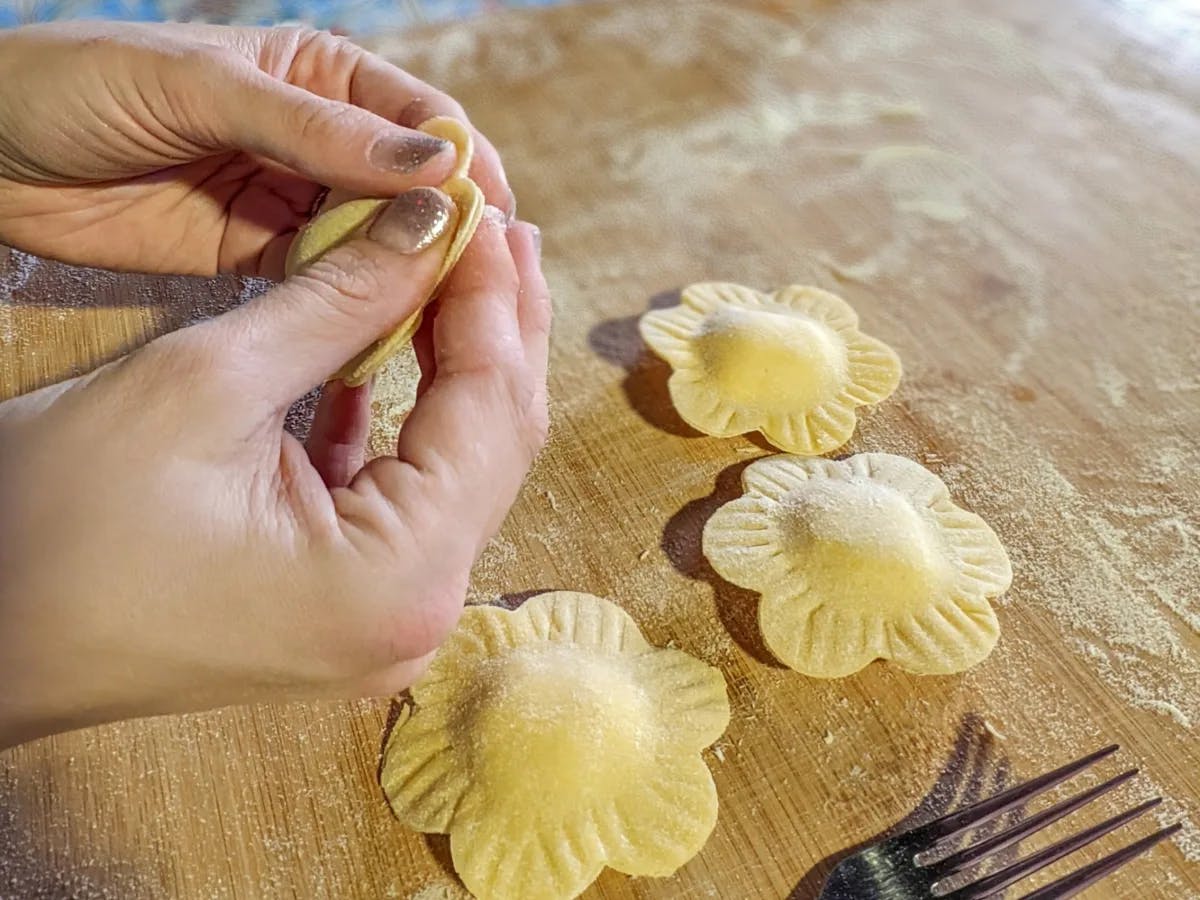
1006 196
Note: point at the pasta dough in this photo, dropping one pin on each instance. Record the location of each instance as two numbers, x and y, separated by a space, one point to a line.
792 364
554 740
335 226
861 559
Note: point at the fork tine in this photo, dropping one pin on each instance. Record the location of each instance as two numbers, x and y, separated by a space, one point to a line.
1070 885
970 855
993 885
958 822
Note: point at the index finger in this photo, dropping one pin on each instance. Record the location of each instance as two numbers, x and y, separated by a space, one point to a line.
394 94
338 69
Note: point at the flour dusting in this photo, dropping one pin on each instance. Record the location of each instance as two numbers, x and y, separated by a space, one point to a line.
18 270
1112 381
443 891
393 394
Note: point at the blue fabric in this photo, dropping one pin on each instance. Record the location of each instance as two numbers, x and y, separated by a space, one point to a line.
353 16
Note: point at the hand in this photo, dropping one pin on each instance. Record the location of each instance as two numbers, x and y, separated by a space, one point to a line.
166 546
200 149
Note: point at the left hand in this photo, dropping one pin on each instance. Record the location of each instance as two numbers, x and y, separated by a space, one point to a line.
198 149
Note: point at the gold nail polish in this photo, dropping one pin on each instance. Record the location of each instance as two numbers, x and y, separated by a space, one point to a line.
406 154
413 221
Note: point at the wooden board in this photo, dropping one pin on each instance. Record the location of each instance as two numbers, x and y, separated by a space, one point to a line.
1007 192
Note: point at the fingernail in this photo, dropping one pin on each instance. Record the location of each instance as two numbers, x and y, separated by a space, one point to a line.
512 205
415 113
322 193
537 240
495 216
407 153
413 221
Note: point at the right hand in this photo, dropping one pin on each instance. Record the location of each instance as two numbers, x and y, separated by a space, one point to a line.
166 546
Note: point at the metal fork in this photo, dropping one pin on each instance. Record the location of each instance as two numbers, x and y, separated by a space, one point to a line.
899 867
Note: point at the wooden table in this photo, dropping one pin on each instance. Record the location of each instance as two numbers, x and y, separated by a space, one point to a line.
1006 191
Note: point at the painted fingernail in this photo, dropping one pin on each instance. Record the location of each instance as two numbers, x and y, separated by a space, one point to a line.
494 216
407 153
415 113
537 240
512 205
413 221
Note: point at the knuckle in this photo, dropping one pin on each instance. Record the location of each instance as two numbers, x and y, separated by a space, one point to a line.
324 42
186 356
395 609
541 316
303 36
312 120
538 422
405 628
347 279
343 48
210 56
487 286
536 430
330 57
319 118
528 409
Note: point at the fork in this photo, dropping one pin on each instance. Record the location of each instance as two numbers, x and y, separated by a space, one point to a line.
900 867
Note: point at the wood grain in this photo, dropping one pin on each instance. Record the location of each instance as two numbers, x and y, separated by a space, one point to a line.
1006 191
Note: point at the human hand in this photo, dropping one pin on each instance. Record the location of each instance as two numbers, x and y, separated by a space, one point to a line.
166 546
198 149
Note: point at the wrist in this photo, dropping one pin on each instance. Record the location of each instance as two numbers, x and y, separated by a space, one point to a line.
27 709
51 682
50 700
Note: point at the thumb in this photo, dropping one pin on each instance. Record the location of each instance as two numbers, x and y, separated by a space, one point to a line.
297 334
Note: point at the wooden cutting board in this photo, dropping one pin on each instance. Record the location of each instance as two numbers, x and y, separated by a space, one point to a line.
1006 191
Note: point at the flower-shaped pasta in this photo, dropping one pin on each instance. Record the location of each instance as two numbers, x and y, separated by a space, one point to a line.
861 559
792 364
554 740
